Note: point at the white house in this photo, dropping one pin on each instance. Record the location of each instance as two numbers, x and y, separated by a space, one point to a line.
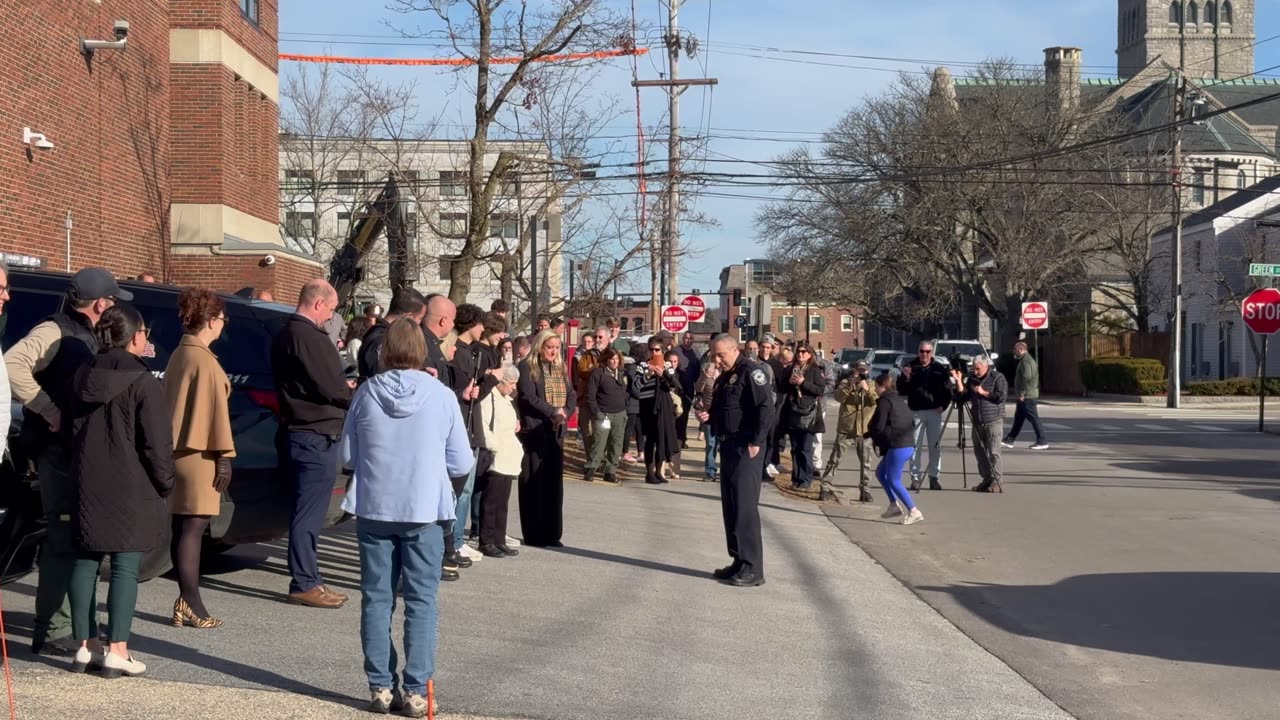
1218 245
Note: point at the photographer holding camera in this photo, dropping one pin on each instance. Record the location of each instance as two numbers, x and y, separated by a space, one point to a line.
857 402
986 391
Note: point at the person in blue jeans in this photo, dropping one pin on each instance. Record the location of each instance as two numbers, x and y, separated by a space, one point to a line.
892 431
403 439
703 392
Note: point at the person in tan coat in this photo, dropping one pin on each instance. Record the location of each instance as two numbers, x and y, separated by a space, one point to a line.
197 389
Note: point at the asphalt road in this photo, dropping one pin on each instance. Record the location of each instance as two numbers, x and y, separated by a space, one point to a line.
1130 571
624 623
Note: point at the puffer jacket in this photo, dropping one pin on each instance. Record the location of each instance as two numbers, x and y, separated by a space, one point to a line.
122 455
990 408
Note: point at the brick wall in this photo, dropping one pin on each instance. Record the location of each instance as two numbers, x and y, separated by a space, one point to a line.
224 148
230 273
259 39
108 121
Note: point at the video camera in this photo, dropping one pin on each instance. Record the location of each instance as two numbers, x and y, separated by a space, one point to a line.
959 363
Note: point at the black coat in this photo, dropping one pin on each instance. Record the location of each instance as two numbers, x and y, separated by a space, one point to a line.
803 398
892 425
310 379
929 387
606 392
122 455
531 398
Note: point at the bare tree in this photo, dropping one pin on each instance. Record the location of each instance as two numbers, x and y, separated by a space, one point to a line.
482 31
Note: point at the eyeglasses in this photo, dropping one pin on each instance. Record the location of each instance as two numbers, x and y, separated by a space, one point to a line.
223 318
655 349
4 289
926 352
146 332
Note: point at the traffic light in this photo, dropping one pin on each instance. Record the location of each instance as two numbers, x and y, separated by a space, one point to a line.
737 297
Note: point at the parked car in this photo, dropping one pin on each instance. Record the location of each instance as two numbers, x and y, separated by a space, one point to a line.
944 350
255 508
845 360
889 361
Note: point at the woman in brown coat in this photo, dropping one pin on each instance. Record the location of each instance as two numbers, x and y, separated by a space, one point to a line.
197 389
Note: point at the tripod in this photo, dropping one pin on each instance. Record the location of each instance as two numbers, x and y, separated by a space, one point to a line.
982 443
964 464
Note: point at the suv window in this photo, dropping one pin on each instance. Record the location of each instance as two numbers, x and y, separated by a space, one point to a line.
25 309
245 345
160 311
853 356
946 348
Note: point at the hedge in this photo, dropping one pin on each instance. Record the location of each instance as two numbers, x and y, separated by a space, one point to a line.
1232 387
1123 375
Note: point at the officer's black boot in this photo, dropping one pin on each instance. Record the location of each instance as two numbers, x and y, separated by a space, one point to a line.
589 475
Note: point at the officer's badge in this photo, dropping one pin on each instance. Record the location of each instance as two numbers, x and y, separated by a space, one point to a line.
757 376
733 378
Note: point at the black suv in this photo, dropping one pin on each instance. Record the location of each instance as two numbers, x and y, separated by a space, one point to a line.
256 506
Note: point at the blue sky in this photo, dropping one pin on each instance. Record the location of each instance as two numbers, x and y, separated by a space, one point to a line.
767 100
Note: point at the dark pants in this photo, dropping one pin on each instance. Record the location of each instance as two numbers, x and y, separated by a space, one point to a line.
58 551
682 422
740 503
777 439
493 508
122 595
634 429
802 449
1027 411
313 464
542 486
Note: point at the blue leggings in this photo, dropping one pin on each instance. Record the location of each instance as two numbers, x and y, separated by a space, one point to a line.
889 473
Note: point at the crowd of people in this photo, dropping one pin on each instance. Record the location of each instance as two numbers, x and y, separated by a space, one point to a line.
438 412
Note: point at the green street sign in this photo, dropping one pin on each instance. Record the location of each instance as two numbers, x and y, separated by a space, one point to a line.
1258 269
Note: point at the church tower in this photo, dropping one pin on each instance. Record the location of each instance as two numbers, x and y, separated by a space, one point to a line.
1209 38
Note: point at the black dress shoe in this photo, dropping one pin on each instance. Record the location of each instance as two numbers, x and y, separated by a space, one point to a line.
508 551
727 572
612 479
746 579
934 484
60 647
864 495
492 551
457 560
447 575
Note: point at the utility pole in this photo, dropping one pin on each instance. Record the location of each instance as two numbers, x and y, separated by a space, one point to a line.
1175 302
670 244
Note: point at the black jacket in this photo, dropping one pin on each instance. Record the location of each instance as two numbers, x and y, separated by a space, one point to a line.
892 425
990 408
805 398
470 362
531 398
689 370
778 374
606 392
371 350
435 358
122 455
310 380
929 388
75 350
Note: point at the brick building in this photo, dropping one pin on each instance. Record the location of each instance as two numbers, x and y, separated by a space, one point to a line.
828 328
164 155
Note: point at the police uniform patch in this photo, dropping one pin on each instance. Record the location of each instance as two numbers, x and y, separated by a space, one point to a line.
757 376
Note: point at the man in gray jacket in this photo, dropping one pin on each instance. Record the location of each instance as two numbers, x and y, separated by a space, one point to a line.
985 390
1026 385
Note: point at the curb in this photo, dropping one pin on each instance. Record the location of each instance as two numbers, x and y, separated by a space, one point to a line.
1160 400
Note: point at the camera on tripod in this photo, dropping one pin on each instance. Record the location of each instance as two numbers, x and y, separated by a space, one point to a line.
959 363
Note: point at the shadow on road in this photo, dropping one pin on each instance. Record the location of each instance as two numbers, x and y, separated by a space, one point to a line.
1219 618
646 564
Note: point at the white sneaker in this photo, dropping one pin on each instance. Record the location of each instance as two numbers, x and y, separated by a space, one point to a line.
512 542
772 470
114 666
415 706
85 659
1040 446
1009 444
915 517
894 511
470 553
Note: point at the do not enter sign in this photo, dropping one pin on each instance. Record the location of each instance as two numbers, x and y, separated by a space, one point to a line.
675 319
1035 315
694 307
1261 311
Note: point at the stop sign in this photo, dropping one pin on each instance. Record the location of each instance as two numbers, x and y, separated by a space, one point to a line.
1035 316
694 307
1261 311
675 319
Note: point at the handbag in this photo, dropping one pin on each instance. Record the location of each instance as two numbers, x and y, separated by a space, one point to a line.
804 419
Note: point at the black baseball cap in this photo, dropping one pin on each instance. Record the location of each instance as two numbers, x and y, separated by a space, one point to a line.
96 284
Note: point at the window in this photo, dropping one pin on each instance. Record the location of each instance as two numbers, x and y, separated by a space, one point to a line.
1226 12
510 185
249 10
637 327
453 224
1211 13
787 323
348 181
445 263
817 323
846 323
504 226
453 184
622 323
1193 13
1198 180
1175 12
298 224
1242 180
344 222
299 181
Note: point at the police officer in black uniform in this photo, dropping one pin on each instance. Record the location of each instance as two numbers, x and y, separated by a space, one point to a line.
740 416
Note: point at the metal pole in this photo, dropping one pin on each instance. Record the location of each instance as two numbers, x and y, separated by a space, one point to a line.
673 153
533 271
1262 387
746 295
1174 389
